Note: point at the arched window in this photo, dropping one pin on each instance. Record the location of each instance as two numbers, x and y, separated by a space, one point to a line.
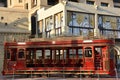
21 53
88 52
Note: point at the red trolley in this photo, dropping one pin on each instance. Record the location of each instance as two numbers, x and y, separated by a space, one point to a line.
64 56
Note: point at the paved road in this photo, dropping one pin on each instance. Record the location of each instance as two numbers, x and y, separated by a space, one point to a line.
62 79
56 78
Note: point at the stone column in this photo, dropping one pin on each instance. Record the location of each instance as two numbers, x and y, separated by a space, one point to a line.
96 30
65 27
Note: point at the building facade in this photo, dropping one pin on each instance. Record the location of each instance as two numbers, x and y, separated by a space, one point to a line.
15 21
81 18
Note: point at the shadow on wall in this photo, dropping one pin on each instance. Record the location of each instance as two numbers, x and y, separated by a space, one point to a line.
17 30
19 25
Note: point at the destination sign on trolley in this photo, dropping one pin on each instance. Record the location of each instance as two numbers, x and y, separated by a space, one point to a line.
86 41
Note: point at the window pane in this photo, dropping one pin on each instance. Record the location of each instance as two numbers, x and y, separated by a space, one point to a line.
65 51
90 2
80 53
72 53
21 53
8 54
40 26
47 54
104 4
98 50
80 23
88 52
39 54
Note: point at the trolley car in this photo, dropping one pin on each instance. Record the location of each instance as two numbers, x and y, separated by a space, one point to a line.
87 57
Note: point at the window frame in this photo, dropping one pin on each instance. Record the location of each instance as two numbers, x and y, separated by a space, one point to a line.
80 27
90 2
47 28
87 51
104 4
58 28
23 54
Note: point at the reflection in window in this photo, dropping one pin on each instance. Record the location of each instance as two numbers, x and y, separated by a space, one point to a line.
21 53
109 26
88 52
98 51
58 24
49 26
80 24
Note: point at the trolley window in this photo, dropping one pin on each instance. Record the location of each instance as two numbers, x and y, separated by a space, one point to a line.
47 54
88 52
80 53
8 54
30 54
21 53
72 53
39 54
61 54
64 54
98 51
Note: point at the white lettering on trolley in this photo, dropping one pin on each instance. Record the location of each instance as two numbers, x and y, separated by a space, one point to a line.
53 42
21 43
88 41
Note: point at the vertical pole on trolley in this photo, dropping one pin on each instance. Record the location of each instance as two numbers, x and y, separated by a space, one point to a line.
98 76
63 72
48 72
31 74
14 71
80 77
116 73
13 74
